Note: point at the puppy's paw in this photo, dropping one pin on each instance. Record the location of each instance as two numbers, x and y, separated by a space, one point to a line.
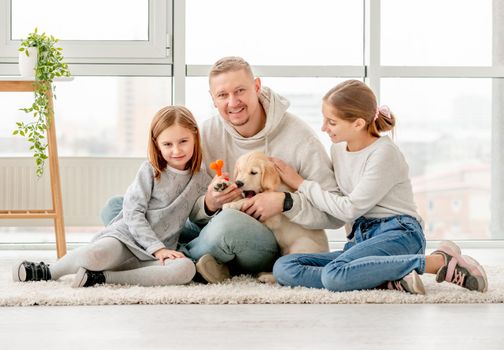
266 277
221 186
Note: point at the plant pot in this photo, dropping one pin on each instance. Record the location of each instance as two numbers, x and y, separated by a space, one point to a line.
27 64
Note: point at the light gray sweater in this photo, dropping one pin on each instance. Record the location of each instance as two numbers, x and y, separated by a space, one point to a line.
284 136
155 211
373 182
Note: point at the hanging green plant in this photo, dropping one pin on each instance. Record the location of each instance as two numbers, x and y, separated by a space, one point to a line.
49 66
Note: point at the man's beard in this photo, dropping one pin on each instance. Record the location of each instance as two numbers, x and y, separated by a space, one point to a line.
239 124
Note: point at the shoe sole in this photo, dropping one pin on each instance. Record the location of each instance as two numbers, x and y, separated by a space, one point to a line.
19 272
80 278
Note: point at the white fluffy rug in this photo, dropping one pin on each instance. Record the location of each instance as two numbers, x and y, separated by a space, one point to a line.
239 290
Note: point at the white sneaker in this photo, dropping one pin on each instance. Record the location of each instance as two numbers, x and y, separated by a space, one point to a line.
411 283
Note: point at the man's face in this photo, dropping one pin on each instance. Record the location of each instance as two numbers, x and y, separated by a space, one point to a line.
236 96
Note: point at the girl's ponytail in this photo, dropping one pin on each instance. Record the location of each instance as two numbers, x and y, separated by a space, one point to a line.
353 100
383 121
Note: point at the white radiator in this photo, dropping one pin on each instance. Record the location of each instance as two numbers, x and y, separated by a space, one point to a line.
86 184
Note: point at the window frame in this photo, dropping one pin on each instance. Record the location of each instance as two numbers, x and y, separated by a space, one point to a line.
109 57
164 55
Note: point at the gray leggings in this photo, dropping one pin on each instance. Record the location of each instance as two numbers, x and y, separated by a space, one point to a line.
120 266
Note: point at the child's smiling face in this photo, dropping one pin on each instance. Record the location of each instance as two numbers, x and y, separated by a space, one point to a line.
176 145
339 130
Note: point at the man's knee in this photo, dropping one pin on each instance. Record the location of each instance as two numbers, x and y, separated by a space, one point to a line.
233 219
233 235
236 232
111 209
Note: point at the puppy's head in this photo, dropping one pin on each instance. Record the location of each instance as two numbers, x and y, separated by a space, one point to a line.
257 174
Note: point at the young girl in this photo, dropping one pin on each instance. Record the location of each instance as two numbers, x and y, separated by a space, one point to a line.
386 244
138 246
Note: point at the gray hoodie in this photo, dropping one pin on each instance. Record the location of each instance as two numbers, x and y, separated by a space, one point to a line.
284 136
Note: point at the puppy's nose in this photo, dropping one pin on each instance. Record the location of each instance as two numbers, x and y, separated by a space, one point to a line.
239 184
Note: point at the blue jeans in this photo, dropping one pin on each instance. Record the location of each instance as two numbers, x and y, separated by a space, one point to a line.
231 237
380 250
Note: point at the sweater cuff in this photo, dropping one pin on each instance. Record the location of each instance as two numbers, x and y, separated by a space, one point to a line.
303 188
296 207
155 247
200 215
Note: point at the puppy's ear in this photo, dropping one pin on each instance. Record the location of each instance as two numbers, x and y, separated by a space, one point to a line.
237 167
270 179
236 171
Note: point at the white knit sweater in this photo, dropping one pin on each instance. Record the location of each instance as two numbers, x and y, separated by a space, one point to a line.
373 183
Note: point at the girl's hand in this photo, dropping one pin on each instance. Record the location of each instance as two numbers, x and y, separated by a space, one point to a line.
164 253
289 176
215 199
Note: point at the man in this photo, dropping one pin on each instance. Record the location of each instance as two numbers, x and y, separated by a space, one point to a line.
253 118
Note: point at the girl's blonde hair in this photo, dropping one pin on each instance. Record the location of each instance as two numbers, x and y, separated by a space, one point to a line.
353 100
163 119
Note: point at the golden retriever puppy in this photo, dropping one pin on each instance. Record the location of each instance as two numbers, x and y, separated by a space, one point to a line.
255 173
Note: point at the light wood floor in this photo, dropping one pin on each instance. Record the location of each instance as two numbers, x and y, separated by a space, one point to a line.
254 326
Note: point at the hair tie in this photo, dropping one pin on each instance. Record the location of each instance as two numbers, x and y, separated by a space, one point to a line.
385 110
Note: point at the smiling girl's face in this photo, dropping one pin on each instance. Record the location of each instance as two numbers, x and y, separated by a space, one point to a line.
176 145
339 130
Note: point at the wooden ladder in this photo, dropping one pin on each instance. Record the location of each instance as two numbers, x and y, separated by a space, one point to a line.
11 84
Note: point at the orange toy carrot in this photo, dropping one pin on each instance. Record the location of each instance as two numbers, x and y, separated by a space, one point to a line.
217 166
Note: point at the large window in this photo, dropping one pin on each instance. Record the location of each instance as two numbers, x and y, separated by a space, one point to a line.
115 20
281 32
447 143
96 116
436 33
439 65
112 31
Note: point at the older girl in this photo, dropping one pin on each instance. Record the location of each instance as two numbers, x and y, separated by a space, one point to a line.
386 244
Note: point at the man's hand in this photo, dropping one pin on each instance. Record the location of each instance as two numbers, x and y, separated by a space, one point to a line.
289 176
164 253
215 199
264 205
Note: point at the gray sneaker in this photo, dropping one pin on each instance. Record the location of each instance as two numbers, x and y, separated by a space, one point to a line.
460 269
211 270
411 283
